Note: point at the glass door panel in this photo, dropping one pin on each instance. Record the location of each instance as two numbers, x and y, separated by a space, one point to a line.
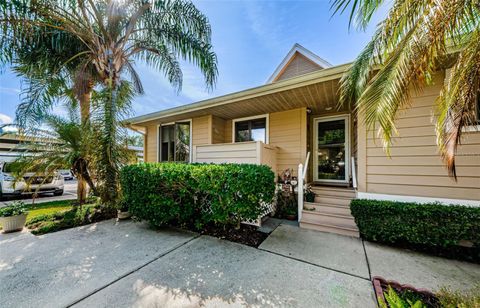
167 143
175 142
182 142
331 147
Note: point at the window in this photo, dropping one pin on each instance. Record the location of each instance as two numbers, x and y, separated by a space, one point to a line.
174 141
251 130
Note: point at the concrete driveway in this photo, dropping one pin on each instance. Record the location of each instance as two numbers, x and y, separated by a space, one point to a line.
126 264
69 193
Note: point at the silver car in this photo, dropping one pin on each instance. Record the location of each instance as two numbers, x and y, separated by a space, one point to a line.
67 174
40 184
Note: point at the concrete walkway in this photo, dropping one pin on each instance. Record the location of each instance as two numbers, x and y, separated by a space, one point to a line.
60 268
361 259
216 273
128 265
339 253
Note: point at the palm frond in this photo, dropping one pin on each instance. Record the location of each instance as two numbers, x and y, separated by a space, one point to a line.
457 101
361 11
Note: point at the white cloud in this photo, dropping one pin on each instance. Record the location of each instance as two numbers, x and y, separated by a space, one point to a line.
5 119
194 86
9 90
270 22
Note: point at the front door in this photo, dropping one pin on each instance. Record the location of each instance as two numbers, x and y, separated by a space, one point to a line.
331 149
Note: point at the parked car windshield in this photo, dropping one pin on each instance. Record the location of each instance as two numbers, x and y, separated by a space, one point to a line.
15 167
11 167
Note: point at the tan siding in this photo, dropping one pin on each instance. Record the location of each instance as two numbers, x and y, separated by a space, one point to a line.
244 152
151 143
201 130
415 167
426 191
228 131
218 130
268 156
361 152
299 65
286 130
227 153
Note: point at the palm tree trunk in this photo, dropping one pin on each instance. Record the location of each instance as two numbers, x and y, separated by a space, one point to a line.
84 117
81 189
109 191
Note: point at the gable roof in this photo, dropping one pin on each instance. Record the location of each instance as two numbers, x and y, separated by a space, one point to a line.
297 49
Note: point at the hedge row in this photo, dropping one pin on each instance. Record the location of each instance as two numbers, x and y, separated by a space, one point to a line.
433 225
171 193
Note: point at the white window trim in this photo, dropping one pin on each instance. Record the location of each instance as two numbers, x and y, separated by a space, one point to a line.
171 123
267 125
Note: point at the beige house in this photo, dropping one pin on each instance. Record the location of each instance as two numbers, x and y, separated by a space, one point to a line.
293 119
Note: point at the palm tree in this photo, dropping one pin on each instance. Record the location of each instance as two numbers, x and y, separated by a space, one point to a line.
62 143
115 34
416 39
45 89
49 66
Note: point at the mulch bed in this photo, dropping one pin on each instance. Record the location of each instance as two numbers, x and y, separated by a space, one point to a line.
405 291
247 235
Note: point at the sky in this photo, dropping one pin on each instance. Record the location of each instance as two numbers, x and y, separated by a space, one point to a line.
250 38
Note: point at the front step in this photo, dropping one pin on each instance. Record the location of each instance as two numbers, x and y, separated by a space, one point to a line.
333 200
329 228
330 212
329 219
327 208
334 191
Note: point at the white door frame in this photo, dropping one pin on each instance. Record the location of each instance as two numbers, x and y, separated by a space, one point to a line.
345 117
159 138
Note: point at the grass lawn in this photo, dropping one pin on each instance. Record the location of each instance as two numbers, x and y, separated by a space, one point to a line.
58 215
48 208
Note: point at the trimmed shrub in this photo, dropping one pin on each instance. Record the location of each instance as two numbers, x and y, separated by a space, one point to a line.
432 225
172 193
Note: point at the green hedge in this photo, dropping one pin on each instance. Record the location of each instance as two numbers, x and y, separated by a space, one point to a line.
170 193
433 225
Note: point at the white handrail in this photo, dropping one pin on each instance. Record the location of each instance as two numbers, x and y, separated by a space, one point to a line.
306 166
354 174
300 191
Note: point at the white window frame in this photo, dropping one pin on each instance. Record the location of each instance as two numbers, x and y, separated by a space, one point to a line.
267 126
190 158
348 143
